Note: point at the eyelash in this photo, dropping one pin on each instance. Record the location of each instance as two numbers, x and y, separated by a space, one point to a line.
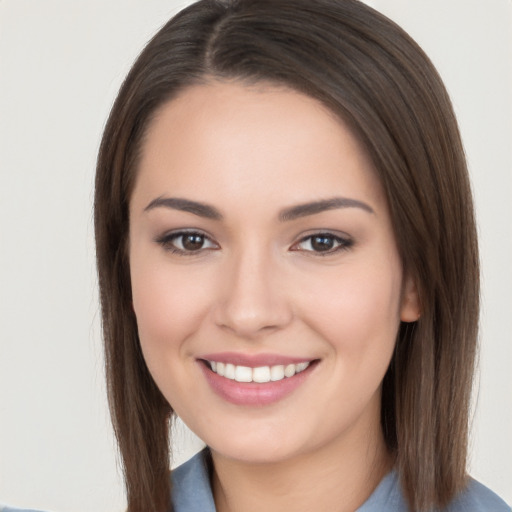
168 241
343 244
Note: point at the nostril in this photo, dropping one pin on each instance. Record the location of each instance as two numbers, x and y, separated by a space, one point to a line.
249 319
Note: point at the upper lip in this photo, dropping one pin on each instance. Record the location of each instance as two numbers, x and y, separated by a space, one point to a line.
254 360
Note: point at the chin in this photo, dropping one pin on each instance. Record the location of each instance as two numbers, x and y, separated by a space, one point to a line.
255 450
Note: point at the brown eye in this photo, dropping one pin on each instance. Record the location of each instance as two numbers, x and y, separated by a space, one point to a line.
192 241
323 244
186 242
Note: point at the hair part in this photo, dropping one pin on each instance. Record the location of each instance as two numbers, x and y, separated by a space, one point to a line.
372 75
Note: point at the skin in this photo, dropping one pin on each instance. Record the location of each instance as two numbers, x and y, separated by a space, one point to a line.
257 285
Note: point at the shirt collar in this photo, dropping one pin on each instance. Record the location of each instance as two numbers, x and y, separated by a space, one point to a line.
191 490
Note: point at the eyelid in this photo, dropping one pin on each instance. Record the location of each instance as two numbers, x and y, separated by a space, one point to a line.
166 241
344 241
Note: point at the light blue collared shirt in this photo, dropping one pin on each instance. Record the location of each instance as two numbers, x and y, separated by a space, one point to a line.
191 492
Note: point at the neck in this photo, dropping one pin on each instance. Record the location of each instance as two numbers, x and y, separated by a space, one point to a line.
338 477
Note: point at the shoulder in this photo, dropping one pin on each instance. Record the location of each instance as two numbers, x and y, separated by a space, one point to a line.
477 498
191 491
5 508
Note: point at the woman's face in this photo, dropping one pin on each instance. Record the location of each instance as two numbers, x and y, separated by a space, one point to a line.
267 285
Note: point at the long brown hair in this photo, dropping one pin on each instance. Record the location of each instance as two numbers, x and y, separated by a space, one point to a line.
371 74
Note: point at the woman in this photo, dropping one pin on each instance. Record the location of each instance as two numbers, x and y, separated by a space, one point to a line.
282 198
288 261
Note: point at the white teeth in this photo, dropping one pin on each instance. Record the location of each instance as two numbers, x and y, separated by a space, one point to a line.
261 374
229 371
289 370
301 367
243 374
277 372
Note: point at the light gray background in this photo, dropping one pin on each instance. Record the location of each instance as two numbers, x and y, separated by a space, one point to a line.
61 63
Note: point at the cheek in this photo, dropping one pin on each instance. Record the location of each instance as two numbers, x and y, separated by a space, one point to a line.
169 306
359 310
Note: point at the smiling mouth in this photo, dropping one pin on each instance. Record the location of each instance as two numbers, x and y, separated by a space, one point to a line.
260 374
251 382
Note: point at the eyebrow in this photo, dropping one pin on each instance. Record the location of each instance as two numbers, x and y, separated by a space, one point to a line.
303 210
185 205
288 214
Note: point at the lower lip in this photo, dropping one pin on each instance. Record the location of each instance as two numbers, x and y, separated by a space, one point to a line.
254 393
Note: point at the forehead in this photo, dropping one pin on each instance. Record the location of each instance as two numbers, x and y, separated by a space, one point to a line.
230 139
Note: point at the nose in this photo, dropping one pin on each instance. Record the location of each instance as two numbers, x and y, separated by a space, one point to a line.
252 299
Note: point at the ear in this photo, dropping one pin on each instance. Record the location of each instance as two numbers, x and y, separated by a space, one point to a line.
410 309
